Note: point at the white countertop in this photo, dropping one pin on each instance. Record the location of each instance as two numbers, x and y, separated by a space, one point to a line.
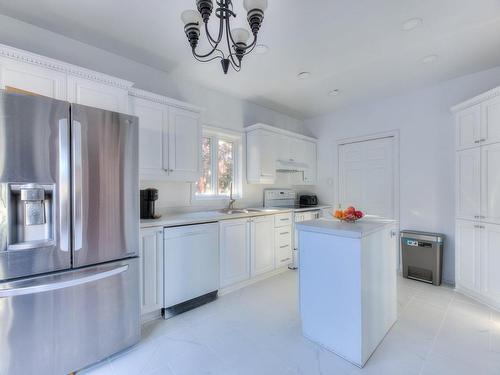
359 229
200 217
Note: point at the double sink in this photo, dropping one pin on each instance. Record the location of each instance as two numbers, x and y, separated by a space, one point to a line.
235 211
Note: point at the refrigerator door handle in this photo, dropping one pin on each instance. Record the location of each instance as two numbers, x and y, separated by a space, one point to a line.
64 185
41 286
77 184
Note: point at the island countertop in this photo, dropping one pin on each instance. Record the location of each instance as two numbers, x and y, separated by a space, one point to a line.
359 229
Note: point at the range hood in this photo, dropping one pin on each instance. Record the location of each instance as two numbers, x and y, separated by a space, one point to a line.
290 166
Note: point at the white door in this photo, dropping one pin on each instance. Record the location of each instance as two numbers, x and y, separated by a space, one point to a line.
98 95
490 129
153 122
366 176
191 262
490 183
151 270
468 127
184 145
490 254
234 251
468 188
468 250
262 244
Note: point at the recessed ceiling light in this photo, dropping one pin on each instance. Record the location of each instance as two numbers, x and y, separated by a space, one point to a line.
334 92
261 49
412 23
430 59
303 75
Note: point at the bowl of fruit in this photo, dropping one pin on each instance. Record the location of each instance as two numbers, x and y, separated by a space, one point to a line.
349 215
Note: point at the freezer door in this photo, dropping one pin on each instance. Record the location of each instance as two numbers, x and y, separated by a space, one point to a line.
34 153
105 185
63 322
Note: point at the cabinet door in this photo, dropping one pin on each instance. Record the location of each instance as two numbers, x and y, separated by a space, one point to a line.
490 125
468 245
151 279
468 127
261 156
310 158
191 262
490 254
98 95
234 251
283 246
468 188
153 121
184 145
490 183
262 244
27 78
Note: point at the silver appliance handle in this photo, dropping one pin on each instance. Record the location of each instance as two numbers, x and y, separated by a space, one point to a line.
64 185
48 287
77 184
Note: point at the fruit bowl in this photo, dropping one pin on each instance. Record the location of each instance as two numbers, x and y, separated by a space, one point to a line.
349 215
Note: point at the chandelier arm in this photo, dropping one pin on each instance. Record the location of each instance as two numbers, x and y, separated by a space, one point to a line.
251 49
236 68
229 36
221 56
219 37
206 54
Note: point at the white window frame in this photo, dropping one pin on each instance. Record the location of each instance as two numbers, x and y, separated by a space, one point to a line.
216 133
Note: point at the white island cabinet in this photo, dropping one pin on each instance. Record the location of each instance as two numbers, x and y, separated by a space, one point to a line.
347 273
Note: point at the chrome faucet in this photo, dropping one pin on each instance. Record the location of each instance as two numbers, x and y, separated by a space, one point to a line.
231 200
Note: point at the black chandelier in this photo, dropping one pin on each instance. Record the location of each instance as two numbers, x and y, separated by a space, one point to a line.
236 39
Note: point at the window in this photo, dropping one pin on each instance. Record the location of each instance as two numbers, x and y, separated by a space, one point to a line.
220 157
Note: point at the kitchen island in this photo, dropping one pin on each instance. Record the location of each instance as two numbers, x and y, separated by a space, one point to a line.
347 271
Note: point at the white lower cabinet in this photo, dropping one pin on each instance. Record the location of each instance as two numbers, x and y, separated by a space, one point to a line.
234 251
151 270
261 245
477 259
283 246
247 249
191 262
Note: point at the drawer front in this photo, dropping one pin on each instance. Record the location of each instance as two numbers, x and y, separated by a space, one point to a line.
284 236
283 255
281 220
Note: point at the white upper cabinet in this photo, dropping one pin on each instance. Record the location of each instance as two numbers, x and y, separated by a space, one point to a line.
490 122
261 156
490 183
169 138
22 77
270 149
468 127
184 145
468 187
96 94
262 245
153 122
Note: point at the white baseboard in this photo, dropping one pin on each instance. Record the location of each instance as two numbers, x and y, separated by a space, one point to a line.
495 305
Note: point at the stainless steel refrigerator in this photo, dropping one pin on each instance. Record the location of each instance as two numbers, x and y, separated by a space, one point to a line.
69 235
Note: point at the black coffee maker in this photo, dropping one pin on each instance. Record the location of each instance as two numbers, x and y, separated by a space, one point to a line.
148 198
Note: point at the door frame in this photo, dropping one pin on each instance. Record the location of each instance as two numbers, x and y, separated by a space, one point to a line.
371 137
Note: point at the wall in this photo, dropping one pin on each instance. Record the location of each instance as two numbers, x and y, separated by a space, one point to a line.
220 109
427 151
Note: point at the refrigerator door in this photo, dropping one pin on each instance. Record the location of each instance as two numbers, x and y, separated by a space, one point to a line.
34 185
105 185
57 324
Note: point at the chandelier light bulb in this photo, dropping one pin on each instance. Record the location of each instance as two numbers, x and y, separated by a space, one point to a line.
255 4
191 16
240 35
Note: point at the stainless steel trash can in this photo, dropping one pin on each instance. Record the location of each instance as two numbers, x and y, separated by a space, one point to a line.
422 254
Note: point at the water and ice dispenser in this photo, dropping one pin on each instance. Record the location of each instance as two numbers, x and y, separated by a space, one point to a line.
30 215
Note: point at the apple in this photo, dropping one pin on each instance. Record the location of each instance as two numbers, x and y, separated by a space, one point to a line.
350 210
358 214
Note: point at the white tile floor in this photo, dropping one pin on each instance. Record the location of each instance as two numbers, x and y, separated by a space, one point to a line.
256 331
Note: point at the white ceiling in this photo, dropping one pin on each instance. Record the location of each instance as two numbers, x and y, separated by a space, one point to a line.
356 46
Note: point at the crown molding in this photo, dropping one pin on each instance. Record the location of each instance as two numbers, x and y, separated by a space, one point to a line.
52 64
274 129
143 94
476 100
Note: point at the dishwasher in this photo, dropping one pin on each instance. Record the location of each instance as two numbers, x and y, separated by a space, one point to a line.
191 267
